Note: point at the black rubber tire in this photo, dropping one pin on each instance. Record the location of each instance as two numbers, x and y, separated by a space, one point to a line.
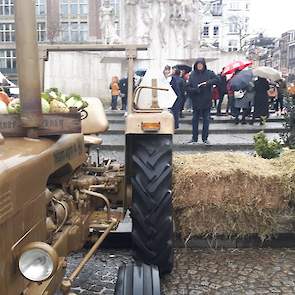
151 211
138 279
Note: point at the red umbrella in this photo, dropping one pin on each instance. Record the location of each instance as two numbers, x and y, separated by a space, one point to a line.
235 66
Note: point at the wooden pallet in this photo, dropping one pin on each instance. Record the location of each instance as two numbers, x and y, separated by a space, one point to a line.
51 124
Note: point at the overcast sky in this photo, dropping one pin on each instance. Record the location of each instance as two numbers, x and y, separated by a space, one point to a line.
272 16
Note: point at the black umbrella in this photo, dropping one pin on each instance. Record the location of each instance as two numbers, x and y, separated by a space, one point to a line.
185 68
140 72
241 80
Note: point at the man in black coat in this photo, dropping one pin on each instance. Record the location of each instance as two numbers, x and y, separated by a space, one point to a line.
200 90
123 85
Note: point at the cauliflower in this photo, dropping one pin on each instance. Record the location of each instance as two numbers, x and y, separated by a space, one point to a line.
57 106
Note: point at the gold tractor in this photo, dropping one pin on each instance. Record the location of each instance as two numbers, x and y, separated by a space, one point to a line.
53 198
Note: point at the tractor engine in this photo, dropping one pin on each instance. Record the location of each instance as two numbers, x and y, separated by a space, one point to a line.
90 189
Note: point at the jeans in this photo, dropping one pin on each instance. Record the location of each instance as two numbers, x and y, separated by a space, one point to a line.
197 114
245 113
188 103
176 109
124 102
279 101
114 102
230 104
220 101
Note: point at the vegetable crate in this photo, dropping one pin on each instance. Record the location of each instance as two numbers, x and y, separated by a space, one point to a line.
51 124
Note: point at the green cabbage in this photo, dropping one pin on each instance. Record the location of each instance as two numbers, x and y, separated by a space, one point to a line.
45 106
14 106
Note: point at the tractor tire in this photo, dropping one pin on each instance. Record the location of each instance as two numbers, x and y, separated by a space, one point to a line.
138 279
151 210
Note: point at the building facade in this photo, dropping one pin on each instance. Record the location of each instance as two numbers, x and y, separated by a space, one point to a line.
58 21
277 53
291 56
224 23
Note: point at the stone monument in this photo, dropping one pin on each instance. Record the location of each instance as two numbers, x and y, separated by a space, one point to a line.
169 27
108 31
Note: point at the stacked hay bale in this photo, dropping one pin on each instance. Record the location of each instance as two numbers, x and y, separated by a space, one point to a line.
231 194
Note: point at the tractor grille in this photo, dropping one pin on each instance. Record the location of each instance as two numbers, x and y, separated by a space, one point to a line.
6 206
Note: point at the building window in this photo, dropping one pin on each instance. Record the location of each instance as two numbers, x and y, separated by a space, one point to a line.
216 9
83 31
205 31
6 7
7 59
83 7
7 33
233 45
216 31
74 31
74 8
234 6
40 7
41 31
234 27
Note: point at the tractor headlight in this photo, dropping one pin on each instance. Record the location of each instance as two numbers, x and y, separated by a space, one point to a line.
38 262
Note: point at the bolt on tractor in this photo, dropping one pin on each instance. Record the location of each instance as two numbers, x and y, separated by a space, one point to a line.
54 197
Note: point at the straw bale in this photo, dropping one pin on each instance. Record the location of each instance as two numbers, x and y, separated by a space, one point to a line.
229 193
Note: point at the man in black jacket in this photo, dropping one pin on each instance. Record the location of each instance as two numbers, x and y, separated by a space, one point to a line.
200 90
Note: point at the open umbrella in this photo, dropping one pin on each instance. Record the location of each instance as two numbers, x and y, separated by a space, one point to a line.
241 80
235 66
140 72
185 68
267 73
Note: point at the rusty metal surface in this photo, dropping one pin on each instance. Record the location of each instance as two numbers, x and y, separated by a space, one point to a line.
50 124
25 165
27 58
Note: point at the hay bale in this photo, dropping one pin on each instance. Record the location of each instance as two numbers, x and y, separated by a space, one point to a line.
286 165
228 194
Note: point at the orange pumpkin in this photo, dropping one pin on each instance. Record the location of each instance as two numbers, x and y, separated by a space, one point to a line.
4 97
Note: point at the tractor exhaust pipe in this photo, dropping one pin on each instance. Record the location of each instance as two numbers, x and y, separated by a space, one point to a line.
27 60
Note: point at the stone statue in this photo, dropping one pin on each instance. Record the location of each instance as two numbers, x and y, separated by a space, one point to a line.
163 21
108 30
190 24
205 6
147 19
177 9
131 19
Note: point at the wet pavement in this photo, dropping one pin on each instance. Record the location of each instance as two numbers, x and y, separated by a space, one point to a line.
237 271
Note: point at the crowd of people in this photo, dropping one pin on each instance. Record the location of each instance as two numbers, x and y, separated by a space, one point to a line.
200 90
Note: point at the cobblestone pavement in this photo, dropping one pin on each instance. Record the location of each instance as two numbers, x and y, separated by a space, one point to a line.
238 272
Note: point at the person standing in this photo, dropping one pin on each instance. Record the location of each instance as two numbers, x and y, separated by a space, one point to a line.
279 103
199 88
185 76
244 101
123 84
177 85
115 91
222 91
261 105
